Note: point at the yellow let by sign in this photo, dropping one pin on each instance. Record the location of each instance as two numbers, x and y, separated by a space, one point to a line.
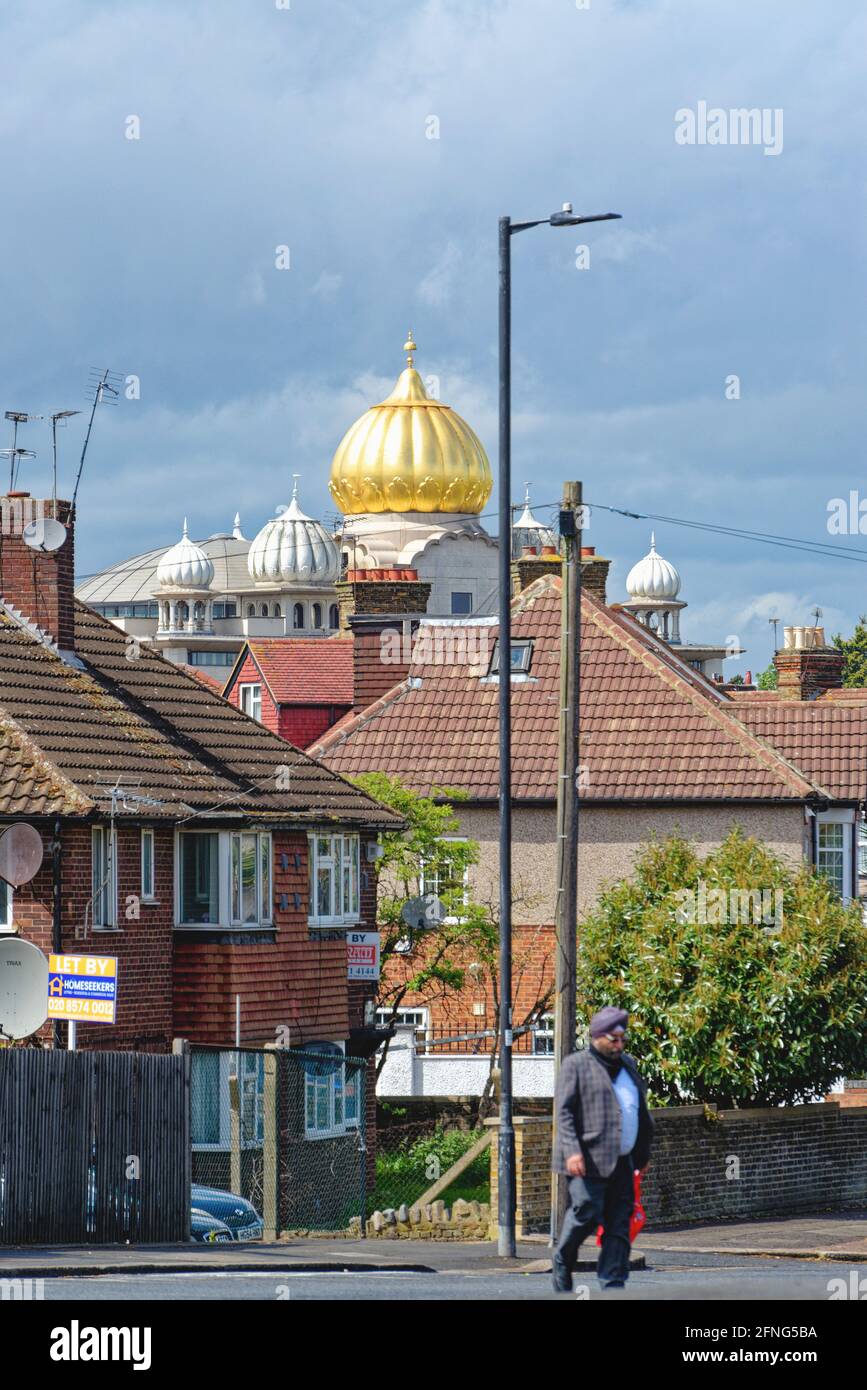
82 988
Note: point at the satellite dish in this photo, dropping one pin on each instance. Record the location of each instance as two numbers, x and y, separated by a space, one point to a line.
421 913
23 987
21 852
44 533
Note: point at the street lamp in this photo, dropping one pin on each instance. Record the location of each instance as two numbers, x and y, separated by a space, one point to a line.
506 1140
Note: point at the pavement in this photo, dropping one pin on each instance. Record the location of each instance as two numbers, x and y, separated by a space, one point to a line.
828 1236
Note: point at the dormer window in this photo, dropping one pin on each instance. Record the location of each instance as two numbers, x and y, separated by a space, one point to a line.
521 656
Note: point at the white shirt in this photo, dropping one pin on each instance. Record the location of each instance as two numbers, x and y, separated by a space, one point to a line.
626 1092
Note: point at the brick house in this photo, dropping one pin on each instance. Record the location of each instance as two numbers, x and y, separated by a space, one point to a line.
662 749
298 687
221 866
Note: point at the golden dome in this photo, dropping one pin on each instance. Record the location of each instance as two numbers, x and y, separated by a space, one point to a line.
410 454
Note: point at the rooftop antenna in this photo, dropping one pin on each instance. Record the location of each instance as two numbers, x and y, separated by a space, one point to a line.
18 417
776 623
105 387
62 416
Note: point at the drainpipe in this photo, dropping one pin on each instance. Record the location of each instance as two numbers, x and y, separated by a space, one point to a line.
57 929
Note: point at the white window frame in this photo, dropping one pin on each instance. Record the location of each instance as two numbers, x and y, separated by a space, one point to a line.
847 820
346 1125
229 1066
7 923
519 645
432 885
148 890
103 900
344 855
545 1029
227 920
263 852
250 699
419 1018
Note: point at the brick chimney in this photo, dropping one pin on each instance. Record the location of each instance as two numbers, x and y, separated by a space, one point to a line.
38 584
594 572
532 565
382 609
806 667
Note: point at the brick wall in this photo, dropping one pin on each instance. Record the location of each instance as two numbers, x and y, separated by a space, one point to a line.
249 674
304 724
802 673
39 584
710 1165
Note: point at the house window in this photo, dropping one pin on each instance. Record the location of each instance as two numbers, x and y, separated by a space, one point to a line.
251 701
278 611
462 605
833 854
331 1091
447 882
5 906
298 615
198 872
521 655
251 610
147 864
211 1111
225 610
317 615
264 610
417 1018
103 877
334 880
333 616
250 867
543 1037
224 878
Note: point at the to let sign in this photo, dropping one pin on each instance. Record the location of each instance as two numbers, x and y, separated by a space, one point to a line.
82 989
363 955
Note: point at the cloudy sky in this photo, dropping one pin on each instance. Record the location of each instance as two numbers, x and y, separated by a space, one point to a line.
309 125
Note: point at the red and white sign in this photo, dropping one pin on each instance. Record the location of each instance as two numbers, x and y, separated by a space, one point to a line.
362 955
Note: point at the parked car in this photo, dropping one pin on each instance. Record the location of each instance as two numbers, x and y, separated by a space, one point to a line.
238 1216
207 1229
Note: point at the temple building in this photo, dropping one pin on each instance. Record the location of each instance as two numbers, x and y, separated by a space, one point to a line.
653 586
412 479
199 601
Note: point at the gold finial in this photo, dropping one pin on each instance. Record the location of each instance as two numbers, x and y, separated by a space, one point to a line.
409 347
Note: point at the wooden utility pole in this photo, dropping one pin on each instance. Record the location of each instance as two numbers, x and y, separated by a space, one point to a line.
567 805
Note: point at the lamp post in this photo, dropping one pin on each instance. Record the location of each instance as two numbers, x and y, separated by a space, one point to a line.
506 1139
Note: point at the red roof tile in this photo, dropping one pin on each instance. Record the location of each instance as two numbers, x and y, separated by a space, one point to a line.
652 729
302 670
826 739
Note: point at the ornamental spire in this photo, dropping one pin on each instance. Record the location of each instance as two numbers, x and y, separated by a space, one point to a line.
410 347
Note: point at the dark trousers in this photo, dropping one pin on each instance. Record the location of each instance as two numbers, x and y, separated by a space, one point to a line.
596 1201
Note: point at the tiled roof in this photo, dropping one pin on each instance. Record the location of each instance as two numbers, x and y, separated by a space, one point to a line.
827 739
303 670
146 722
652 729
199 674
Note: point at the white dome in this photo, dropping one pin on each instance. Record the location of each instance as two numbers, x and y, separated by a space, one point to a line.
185 566
653 577
293 548
529 531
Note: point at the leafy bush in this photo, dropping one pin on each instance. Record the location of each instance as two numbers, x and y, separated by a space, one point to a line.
726 1010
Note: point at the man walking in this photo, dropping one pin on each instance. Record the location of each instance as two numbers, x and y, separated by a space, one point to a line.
604 1132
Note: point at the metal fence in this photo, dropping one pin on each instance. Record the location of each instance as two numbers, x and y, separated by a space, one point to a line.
412 1158
285 1129
94 1147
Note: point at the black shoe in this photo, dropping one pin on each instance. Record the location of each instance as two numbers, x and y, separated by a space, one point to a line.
560 1275
615 1284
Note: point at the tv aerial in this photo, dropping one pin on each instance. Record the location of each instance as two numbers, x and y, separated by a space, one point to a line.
106 389
16 454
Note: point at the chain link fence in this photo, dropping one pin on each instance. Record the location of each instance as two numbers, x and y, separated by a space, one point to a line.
412 1157
286 1130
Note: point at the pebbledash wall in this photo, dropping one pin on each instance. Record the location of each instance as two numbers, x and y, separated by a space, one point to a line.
717 1165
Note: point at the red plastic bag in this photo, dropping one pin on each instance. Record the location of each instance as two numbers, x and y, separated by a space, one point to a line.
638 1217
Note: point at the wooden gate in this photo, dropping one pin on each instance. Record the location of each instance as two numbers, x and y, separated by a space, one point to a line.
94 1147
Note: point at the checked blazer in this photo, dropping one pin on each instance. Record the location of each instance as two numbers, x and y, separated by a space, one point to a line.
588 1115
